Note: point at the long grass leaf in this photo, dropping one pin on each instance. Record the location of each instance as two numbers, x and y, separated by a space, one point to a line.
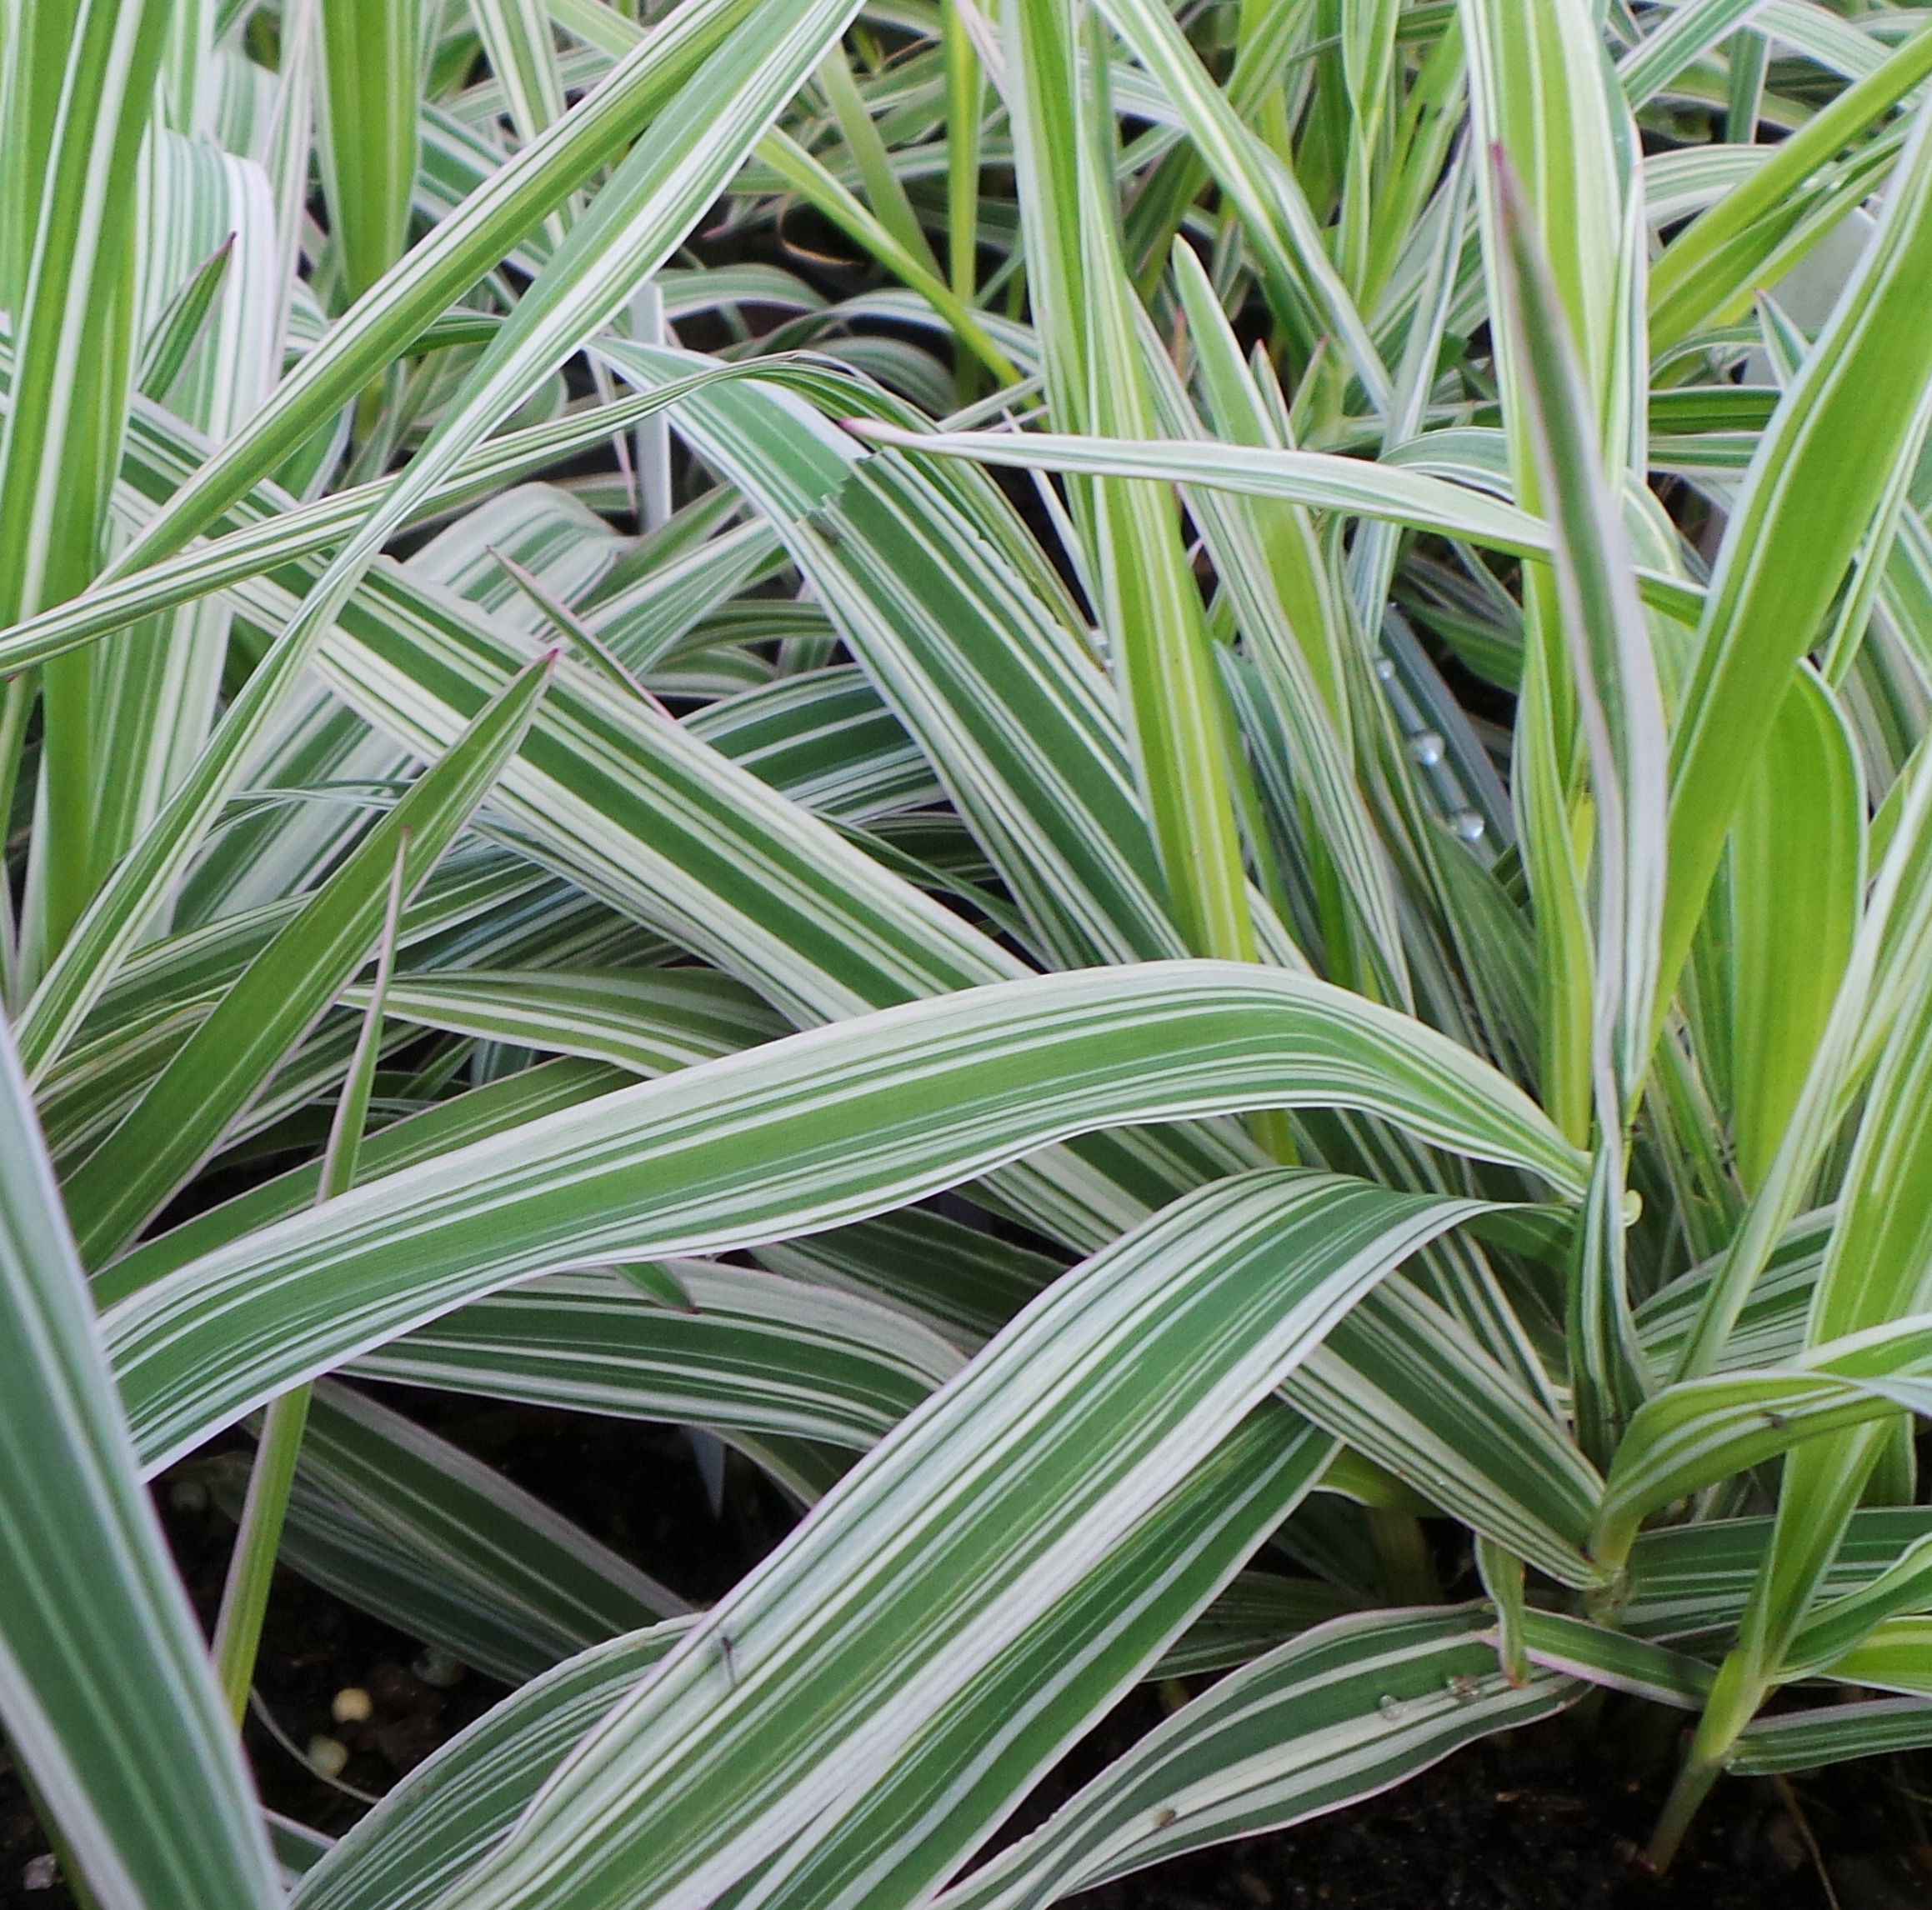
938 1092
104 1681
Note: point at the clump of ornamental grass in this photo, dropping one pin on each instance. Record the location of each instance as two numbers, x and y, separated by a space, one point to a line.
1284 648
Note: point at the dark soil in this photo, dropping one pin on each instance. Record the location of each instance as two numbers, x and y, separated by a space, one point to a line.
1545 1819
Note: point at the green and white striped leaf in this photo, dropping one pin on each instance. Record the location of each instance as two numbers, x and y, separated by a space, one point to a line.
643 212
963 634
1818 475
476 1789
1687 1579
1599 1656
1797 855
1144 599
741 1352
648 1022
406 1527
210 1081
72 299
367 129
1711 270
819 1698
1698 1431
474 1523
417 1137
1804 1740
973 1763
105 1686
1317 478
1896 1655
432 1826
1350 1709
439 272
938 1092
1473 1443
1277 221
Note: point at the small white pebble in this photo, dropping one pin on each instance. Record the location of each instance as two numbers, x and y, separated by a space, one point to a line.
327 1757
352 1705
42 1872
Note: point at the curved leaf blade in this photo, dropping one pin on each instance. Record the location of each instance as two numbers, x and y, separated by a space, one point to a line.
105 1685
901 1104
808 1682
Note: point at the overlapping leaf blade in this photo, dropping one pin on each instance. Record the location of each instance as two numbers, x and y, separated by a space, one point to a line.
104 1684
